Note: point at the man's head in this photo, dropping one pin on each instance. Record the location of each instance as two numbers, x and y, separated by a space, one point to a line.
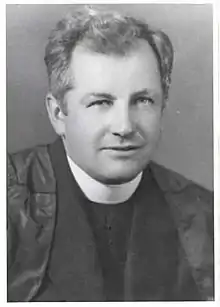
109 77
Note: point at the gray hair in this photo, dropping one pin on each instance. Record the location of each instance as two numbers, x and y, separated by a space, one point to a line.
103 32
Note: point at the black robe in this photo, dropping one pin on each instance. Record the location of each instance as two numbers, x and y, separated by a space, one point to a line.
146 262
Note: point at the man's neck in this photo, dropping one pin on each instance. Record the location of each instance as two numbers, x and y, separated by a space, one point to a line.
98 192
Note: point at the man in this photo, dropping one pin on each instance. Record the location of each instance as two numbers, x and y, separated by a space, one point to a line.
90 218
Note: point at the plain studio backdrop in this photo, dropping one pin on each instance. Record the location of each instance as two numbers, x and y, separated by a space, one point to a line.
187 143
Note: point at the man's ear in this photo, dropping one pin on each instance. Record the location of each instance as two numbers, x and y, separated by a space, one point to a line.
55 113
164 105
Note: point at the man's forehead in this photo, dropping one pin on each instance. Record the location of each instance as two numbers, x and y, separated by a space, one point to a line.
135 71
140 60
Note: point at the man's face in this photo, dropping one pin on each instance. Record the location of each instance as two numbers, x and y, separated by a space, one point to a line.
114 113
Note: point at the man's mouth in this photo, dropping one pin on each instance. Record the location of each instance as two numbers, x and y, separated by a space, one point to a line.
124 148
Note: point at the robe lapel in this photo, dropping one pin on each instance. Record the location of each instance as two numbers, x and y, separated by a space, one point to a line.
151 267
80 269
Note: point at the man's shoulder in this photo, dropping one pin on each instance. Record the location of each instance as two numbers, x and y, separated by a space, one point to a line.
31 165
185 192
172 181
186 198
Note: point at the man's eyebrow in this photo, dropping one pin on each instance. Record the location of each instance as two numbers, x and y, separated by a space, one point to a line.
100 95
145 91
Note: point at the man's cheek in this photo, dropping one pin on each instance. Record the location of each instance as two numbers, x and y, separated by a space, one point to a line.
152 130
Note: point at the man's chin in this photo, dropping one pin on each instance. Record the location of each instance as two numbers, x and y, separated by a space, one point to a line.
116 178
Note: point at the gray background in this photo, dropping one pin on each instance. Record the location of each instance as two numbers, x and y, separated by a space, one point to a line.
186 145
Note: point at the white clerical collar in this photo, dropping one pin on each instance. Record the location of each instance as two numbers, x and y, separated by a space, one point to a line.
99 192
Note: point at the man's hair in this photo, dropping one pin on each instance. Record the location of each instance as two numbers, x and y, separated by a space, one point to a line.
103 32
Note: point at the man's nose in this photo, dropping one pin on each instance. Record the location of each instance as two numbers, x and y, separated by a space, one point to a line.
122 122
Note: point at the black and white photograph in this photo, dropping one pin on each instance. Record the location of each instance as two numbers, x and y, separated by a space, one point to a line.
110 168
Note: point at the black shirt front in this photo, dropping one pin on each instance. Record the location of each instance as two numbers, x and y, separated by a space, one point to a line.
111 227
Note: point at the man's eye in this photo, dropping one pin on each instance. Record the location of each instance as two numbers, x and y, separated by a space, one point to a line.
144 100
103 102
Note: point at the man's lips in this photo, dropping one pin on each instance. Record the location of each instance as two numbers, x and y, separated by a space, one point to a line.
122 148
